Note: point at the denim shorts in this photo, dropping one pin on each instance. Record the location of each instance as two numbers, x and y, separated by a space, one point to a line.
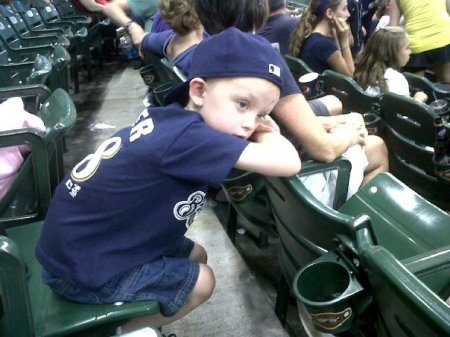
169 281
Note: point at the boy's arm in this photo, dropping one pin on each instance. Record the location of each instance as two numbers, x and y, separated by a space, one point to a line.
270 153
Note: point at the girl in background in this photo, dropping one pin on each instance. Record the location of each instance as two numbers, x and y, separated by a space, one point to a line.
378 71
323 38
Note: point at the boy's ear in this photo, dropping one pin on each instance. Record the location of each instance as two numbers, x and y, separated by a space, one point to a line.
196 90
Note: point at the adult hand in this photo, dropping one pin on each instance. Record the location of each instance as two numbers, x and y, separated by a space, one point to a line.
354 135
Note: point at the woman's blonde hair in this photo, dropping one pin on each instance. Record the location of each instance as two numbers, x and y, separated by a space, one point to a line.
381 52
309 20
179 14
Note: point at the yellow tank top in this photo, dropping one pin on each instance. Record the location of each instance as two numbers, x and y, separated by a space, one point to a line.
427 24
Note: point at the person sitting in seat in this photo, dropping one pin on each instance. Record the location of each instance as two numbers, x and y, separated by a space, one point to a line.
178 43
323 138
323 38
279 25
115 228
136 16
379 70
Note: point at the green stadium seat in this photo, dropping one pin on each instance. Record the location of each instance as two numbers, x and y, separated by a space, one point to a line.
30 194
247 199
409 136
31 309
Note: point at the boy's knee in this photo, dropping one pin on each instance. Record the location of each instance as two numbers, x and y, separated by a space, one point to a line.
205 283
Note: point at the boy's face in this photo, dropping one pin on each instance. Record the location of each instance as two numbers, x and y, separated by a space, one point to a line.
236 105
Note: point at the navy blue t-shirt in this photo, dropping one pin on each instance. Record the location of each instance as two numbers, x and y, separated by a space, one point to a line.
316 51
278 29
134 198
157 44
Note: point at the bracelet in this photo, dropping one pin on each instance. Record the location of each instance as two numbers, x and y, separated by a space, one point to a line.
128 24
347 46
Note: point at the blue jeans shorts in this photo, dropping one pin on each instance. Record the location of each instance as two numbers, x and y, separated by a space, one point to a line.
169 281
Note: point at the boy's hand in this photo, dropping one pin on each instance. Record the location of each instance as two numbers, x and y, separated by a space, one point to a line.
267 125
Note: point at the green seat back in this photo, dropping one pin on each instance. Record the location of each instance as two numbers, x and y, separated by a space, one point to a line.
406 306
29 196
297 66
307 228
353 97
409 136
30 308
420 83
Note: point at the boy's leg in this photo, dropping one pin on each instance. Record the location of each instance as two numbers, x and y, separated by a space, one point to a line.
201 293
377 156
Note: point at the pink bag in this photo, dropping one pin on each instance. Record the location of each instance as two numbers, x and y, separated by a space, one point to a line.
13 116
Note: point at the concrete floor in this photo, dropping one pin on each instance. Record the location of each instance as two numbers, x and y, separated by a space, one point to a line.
246 276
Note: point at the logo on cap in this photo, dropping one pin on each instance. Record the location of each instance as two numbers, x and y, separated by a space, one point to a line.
273 69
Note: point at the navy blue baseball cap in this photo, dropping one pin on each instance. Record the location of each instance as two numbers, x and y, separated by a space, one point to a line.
231 53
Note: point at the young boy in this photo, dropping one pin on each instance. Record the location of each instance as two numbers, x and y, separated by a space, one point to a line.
115 228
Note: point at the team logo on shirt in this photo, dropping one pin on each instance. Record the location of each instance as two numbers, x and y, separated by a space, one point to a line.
186 210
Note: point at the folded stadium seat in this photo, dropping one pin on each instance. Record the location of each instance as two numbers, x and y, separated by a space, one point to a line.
77 35
248 205
29 196
90 39
36 71
18 52
29 37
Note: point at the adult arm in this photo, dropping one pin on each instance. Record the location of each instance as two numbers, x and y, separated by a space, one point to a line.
342 59
294 113
92 6
118 11
395 13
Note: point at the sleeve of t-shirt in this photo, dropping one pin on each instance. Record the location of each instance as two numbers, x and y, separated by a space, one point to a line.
202 154
396 82
156 42
324 49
